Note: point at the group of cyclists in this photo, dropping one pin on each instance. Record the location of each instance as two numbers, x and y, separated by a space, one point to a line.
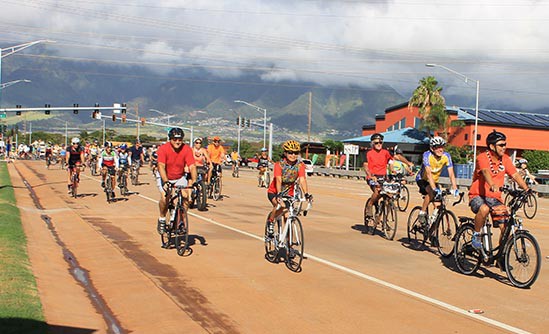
485 192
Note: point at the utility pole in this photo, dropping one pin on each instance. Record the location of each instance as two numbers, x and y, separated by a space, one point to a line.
309 125
137 114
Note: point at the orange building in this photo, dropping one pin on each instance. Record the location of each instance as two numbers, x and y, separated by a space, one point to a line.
525 131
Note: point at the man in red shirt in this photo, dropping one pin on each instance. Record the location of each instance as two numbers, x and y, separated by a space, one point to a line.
173 157
488 178
375 167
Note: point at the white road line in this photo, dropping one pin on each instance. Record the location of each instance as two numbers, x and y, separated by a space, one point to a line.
373 279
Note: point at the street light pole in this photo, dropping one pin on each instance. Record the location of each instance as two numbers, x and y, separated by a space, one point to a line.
167 116
264 119
11 83
467 79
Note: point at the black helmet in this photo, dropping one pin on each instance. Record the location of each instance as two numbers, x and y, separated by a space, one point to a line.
494 137
176 133
376 136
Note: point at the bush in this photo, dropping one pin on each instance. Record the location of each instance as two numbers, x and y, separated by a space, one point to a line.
460 155
537 160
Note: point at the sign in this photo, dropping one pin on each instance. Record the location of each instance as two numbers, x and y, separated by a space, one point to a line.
115 108
350 149
3 115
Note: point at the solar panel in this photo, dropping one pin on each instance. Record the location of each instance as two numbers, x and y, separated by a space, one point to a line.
510 117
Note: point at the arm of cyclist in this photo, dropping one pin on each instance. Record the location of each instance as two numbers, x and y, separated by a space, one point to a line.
488 177
453 181
163 175
519 180
403 159
430 178
194 174
369 175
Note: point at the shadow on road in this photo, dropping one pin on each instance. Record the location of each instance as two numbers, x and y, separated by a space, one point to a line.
20 325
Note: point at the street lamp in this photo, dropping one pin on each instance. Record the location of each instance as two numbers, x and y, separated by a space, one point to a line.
476 103
167 116
13 49
264 119
11 83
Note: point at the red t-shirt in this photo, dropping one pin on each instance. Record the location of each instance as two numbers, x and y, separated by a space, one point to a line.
289 174
498 168
377 161
175 161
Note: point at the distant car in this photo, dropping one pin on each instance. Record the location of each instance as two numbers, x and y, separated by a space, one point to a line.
309 169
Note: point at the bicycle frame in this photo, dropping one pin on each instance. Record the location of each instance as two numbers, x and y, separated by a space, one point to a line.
290 209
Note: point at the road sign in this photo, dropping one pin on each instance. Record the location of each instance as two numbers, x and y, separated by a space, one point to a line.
350 149
3 115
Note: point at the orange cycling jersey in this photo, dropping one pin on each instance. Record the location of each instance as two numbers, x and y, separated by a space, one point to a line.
216 153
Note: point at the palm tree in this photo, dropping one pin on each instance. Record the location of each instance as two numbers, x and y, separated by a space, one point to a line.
432 106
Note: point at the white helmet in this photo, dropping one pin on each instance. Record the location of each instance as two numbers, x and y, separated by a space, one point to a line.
75 140
437 141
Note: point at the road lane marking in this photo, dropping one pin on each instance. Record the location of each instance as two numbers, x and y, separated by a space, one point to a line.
372 279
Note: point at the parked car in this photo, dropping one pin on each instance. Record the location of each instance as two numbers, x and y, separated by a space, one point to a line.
309 169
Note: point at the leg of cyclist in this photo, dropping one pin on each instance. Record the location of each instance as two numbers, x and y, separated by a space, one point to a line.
274 212
375 187
162 207
220 176
70 170
103 175
481 209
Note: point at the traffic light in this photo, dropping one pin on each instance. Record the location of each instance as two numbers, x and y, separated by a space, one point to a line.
114 117
75 111
124 113
238 120
47 112
96 114
18 112
142 121
248 122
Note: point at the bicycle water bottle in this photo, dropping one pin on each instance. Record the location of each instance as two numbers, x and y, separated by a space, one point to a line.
433 216
486 238
172 216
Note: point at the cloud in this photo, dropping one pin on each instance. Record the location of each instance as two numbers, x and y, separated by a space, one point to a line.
501 44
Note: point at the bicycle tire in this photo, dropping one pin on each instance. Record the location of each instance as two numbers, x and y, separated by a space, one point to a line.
271 249
446 233
369 222
267 179
530 206
390 219
108 188
167 237
466 257
518 260
201 196
181 231
295 245
74 186
414 229
403 198
216 189
260 181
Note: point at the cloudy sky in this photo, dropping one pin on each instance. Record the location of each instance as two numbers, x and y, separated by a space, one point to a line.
502 43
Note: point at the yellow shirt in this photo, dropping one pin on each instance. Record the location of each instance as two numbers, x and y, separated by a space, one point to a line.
216 153
436 165
235 156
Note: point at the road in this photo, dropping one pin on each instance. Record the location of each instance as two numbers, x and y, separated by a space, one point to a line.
100 267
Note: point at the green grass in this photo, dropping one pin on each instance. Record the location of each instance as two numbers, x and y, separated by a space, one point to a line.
20 307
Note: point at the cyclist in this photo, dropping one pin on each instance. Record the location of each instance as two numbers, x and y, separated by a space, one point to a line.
286 173
217 156
488 178
522 167
108 160
375 167
137 154
235 158
173 157
94 152
397 167
201 158
124 162
428 176
74 157
263 162
49 154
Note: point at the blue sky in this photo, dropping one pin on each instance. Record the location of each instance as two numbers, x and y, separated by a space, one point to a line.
503 44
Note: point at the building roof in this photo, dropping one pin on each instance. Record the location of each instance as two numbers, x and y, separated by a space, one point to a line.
502 117
402 136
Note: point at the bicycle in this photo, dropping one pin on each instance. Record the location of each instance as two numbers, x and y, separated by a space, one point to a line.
215 185
518 249
176 233
109 191
403 195
236 171
199 195
74 181
123 180
530 206
286 241
134 174
93 166
385 210
264 179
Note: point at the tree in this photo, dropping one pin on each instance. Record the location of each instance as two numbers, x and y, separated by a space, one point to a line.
428 99
537 160
333 146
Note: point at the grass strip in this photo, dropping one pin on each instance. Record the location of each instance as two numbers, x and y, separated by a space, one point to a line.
20 307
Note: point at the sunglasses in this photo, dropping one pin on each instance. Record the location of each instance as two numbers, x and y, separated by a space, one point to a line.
502 145
438 146
216 141
198 142
293 152
377 142
177 139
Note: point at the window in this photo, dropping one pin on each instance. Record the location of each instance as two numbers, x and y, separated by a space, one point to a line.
466 136
478 137
417 122
402 123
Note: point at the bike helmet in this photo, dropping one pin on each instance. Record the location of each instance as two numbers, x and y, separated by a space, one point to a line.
176 133
123 146
75 140
108 144
198 140
437 141
494 137
291 145
263 149
523 161
397 150
376 136
216 138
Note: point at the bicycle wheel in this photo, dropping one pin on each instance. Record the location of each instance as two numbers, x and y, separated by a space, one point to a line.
108 188
530 206
369 221
74 186
167 237
181 231
466 257
201 196
237 171
216 189
271 249
403 198
446 231
260 181
390 219
415 229
267 179
294 244
522 259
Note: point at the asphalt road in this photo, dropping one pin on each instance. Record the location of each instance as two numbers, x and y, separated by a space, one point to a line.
350 282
